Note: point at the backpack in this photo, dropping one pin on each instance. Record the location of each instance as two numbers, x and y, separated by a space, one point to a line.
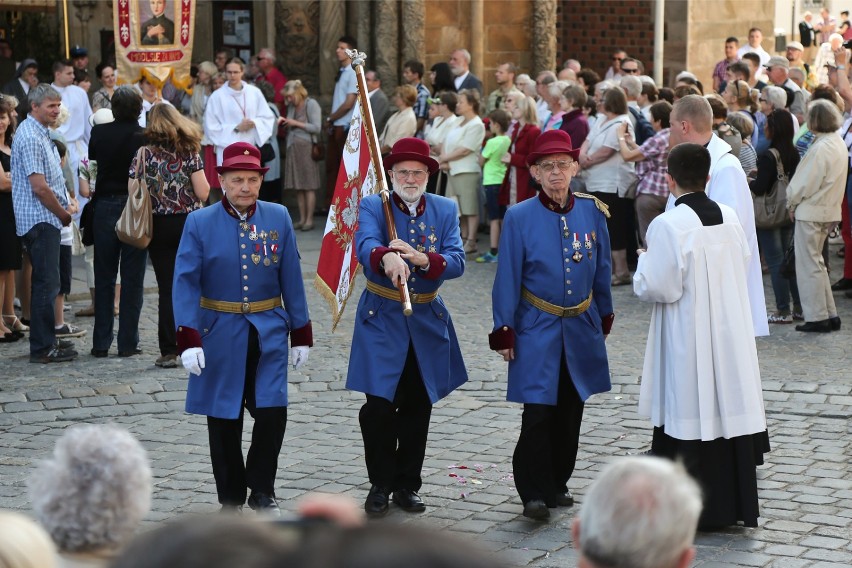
770 209
643 128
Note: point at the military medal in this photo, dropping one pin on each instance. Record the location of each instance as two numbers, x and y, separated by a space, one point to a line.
274 253
422 226
564 228
255 257
432 238
273 235
576 243
578 256
432 248
266 261
421 248
587 243
263 235
244 226
253 233
594 236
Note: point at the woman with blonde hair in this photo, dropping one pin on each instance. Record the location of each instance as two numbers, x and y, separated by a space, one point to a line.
173 169
403 123
301 172
742 100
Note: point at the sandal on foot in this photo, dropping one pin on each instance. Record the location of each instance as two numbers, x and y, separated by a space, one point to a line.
16 324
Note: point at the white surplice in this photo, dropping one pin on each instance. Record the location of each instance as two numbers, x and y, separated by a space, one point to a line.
701 378
728 186
227 107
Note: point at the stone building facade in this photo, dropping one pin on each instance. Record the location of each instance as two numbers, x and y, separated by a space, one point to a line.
533 34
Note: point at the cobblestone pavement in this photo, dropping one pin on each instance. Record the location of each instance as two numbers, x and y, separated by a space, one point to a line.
805 487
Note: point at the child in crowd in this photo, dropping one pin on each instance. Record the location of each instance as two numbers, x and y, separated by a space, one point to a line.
66 235
493 172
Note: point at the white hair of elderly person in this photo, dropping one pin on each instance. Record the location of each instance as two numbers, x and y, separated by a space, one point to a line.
24 544
91 494
641 512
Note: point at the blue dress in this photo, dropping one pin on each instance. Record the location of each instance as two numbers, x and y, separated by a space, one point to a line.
218 260
562 258
382 333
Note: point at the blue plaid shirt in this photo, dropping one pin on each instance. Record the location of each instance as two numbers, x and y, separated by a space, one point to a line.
421 108
33 152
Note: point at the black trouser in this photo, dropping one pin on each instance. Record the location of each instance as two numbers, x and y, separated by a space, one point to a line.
163 253
233 477
395 432
547 447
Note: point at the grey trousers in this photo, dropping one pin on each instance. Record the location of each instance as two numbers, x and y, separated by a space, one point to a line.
811 273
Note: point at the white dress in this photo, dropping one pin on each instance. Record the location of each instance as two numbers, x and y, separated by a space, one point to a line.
728 186
227 107
701 378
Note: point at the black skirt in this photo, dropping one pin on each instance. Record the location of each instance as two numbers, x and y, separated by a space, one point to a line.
10 243
726 471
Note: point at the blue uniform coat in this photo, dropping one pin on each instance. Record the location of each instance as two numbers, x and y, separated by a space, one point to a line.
382 333
215 261
537 250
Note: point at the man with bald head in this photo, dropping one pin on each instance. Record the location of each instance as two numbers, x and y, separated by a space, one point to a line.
692 121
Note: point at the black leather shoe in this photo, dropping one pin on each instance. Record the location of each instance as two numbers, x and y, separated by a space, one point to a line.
99 353
835 323
536 509
842 284
823 326
264 504
376 504
565 499
131 353
409 501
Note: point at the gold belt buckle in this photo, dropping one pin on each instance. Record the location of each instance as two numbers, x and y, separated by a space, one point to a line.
413 297
245 308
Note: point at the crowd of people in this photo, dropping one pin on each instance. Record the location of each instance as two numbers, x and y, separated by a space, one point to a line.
585 183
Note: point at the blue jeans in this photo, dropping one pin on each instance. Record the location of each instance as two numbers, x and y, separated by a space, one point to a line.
773 243
108 251
42 244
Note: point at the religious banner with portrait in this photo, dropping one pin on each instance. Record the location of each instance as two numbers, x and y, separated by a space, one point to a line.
153 38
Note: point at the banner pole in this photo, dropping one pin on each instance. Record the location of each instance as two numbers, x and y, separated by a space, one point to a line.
376 159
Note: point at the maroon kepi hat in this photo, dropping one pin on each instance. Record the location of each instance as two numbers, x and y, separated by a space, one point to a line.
411 149
552 142
241 156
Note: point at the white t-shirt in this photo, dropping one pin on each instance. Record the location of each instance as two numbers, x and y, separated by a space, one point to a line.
613 175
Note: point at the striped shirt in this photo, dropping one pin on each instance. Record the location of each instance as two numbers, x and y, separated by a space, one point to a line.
652 170
33 152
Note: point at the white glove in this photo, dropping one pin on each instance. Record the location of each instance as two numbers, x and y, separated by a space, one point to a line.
193 360
299 355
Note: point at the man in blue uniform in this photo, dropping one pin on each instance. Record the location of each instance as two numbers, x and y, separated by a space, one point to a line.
552 311
235 264
404 364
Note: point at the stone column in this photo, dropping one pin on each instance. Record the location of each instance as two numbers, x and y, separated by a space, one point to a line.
332 17
413 38
544 35
385 60
477 38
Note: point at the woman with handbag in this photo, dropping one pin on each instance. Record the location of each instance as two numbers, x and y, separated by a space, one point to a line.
814 196
303 150
777 164
113 146
174 174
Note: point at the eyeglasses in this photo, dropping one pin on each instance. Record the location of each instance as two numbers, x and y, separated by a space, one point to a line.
635 70
418 175
563 165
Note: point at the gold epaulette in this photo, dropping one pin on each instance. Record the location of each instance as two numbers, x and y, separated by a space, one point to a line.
602 207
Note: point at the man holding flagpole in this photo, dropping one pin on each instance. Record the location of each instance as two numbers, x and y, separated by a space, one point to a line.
404 364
